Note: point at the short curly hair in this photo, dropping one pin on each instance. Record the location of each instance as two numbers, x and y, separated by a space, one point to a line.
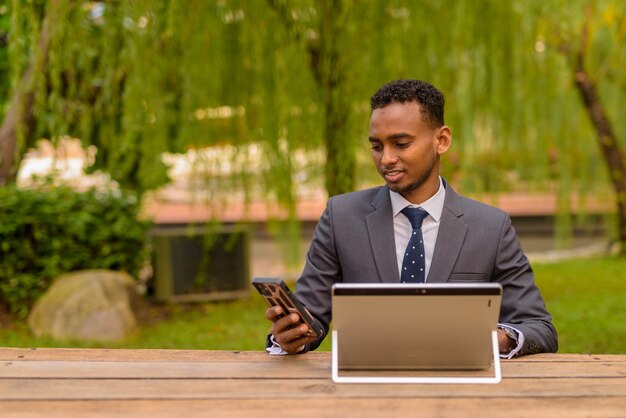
402 91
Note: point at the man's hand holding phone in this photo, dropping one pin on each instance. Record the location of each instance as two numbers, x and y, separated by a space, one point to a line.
293 326
288 330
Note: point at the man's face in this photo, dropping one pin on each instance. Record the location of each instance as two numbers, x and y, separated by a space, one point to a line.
406 150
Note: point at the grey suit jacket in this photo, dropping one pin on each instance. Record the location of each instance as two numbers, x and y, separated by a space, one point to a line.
354 242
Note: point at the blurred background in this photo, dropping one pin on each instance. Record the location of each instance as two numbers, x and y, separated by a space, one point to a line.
194 144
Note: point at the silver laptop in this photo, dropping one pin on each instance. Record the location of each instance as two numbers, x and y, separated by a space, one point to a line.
383 328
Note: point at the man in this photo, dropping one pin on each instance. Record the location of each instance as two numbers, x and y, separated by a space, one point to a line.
362 236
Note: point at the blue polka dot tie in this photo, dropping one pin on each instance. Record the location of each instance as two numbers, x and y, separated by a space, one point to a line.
414 263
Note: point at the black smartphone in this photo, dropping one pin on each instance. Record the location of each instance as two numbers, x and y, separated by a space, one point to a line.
277 293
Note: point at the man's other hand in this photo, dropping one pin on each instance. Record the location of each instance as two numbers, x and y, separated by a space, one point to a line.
505 343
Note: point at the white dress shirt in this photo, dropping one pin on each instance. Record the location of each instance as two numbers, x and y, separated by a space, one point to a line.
430 225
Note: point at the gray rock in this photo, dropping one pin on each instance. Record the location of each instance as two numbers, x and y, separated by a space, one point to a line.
97 305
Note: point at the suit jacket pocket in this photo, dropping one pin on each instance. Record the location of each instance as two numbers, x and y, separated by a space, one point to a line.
467 277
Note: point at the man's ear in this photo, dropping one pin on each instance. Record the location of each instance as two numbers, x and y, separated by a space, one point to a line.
443 137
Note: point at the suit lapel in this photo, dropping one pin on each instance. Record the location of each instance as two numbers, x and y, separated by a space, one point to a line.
450 238
380 231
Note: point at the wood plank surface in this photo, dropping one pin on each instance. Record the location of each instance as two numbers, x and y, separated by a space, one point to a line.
285 368
154 383
147 370
67 389
120 355
102 354
591 407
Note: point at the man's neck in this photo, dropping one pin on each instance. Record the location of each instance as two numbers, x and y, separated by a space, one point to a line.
424 192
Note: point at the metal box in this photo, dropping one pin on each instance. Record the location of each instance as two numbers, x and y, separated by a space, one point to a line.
201 263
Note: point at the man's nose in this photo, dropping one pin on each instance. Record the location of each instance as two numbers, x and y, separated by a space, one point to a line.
389 156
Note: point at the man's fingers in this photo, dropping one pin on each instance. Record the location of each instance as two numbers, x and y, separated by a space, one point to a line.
294 346
289 333
273 313
288 330
288 324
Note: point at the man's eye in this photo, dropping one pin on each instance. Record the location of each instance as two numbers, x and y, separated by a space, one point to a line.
376 148
402 144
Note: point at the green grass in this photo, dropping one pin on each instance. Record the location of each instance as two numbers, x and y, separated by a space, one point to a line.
236 325
587 298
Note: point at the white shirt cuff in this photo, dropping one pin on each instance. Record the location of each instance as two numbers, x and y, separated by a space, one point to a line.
276 350
519 340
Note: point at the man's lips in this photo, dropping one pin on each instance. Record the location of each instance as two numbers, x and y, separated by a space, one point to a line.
392 175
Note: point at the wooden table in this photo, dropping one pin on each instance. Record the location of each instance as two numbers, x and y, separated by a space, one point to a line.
177 383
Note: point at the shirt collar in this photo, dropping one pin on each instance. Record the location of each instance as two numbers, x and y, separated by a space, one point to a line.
434 205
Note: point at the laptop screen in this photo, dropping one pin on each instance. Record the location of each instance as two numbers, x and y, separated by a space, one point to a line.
415 326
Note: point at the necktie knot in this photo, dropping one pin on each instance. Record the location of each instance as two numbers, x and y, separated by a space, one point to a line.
415 216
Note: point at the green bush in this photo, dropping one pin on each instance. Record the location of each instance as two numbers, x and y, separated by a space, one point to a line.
48 231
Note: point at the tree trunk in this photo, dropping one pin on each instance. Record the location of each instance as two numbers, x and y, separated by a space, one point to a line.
609 146
607 141
331 77
329 73
340 156
20 114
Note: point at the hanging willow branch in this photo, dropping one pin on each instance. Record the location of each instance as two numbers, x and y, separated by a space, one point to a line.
277 91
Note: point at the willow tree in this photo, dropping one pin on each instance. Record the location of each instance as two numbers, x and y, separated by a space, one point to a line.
137 79
327 30
597 66
18 118
4 61
282 88
512 87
